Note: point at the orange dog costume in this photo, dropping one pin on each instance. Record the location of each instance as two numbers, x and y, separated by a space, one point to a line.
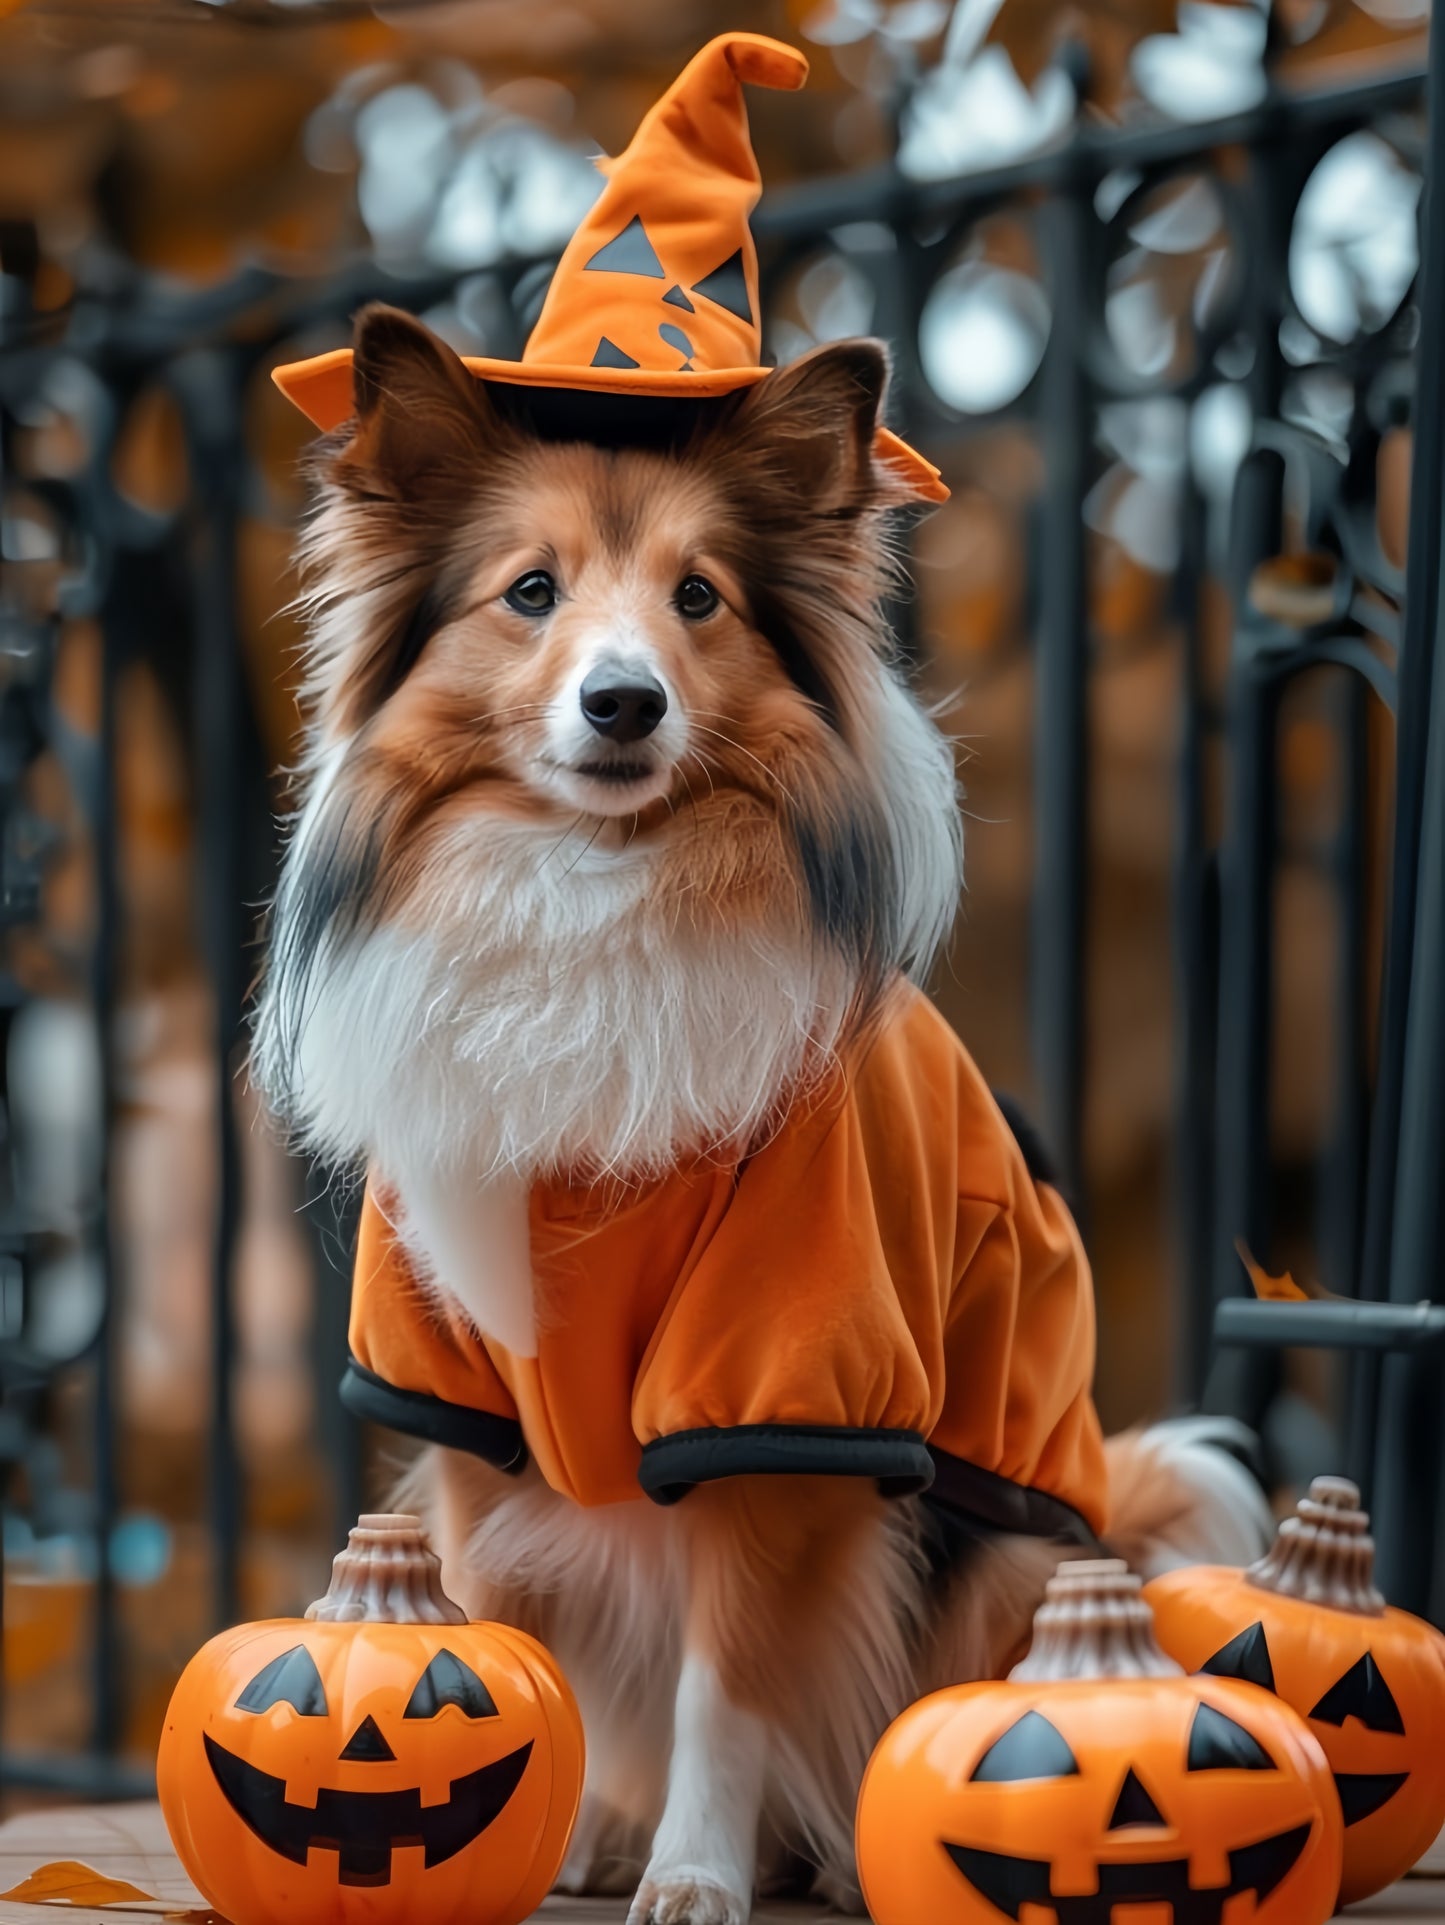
883 1290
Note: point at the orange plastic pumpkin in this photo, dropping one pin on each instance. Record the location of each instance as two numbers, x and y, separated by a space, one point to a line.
380 1761
1098 1783
1307 1623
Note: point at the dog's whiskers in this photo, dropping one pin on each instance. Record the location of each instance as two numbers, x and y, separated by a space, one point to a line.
771 774
601 825
558 843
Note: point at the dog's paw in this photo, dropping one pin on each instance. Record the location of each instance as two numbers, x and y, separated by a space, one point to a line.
686 1896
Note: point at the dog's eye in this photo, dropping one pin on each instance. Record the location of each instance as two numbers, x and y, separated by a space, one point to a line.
534 593
696 599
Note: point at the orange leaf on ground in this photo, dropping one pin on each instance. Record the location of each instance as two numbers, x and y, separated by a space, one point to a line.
68 1882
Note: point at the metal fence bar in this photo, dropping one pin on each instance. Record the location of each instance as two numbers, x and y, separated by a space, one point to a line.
1413 1422
1195 947
1404 1211
107 1713
1091 151
1372 1327
1061 694
1419 642
1341 1197
208 383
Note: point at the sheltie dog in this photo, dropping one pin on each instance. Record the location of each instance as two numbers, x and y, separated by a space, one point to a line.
620 826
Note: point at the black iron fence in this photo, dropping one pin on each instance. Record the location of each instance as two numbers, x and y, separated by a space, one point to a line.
1061 243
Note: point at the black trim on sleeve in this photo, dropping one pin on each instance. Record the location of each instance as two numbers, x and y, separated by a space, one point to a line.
672 1466
498 1440
982 1497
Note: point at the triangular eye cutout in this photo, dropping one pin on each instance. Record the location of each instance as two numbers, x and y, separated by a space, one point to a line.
366 1745
1217 1743
1247 1657
728 286
290 1679
676 298
629 252
447 1680
609 355
1134 1806
1029 1749
1361 1693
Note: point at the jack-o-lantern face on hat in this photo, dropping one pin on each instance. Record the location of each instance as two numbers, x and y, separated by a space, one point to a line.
1070 1802
1308 1626
368 1770
720 299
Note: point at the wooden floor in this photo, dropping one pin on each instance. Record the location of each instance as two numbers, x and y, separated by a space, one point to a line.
56 1857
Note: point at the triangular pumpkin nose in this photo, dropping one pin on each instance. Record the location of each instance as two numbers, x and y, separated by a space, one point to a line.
1134 1806
367 1746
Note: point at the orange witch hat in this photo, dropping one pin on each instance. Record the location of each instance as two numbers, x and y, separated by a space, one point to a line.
657 291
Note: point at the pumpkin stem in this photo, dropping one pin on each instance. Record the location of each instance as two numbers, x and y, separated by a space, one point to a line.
1324 1553
1094 1622
388 1574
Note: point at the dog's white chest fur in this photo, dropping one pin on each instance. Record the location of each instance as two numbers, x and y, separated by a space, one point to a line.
473 1239
549 1014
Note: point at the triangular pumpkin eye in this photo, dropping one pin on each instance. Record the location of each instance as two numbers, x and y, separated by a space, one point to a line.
1029 1749
1361 1693
1217 1743
447 1680
1247 1657
290 1679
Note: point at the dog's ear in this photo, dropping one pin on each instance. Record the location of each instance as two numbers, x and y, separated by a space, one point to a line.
813 424
422 421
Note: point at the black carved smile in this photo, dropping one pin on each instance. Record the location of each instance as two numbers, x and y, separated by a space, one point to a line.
1011 1883
1362 1793
365 1827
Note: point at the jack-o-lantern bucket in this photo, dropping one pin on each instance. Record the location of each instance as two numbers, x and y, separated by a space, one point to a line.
1096 1782
380 1761
1307 1623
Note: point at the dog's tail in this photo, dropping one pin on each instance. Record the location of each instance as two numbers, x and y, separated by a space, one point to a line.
1182 1493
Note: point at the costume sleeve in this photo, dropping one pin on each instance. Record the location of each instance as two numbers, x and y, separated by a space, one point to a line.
1018 1444
416 1364
808 1335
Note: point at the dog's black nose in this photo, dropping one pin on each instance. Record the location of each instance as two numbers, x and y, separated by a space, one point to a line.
621 703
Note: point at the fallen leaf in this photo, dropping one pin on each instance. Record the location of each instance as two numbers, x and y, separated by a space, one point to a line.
68 1882
1281 1289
